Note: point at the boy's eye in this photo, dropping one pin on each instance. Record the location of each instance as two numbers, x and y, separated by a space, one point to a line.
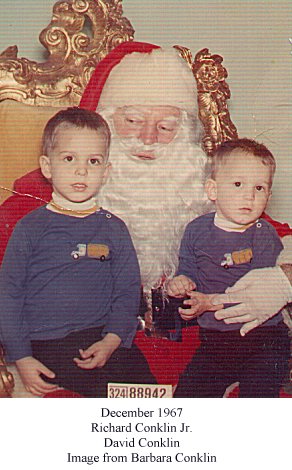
95 161
260 188
68 158
237 184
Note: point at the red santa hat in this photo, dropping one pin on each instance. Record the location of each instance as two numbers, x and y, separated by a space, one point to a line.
137 73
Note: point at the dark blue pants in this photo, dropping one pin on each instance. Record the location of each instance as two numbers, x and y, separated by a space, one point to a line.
258 361
124 366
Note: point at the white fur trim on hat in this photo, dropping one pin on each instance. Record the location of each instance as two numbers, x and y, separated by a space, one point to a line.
159 78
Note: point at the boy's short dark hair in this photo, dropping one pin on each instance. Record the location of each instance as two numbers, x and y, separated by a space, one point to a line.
73 116
246 145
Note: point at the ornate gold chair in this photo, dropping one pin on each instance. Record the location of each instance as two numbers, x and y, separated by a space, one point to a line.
80 34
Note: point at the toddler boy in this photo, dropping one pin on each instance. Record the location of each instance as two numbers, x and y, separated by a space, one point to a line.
216 250
70 281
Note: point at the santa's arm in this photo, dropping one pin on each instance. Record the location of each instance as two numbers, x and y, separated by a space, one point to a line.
261 293
287 269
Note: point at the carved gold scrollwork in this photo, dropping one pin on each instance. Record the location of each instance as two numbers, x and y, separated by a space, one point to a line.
213 93
6 378
73 53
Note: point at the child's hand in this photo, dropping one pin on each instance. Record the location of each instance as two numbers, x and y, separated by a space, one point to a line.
30 370
179 286
98 353
199 303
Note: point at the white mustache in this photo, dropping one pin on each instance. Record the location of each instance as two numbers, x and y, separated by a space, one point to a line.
134 145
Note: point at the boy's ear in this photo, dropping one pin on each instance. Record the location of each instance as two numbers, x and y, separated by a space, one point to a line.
106 172
211 189
45 165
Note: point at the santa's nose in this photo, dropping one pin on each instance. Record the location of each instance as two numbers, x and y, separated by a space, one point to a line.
148 134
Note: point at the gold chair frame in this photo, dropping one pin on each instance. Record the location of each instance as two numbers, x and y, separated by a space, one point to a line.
80 34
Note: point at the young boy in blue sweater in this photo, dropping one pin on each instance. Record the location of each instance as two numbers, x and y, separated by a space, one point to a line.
70 281
216 250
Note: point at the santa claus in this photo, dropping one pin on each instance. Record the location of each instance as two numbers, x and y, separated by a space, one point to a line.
156 182
148 96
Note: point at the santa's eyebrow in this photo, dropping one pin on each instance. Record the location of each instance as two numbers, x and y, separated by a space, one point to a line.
131 111
171 118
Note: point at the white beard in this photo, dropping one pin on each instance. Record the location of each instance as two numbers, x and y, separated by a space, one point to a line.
156 199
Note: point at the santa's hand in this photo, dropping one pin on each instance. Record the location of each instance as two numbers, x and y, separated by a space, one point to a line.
179 286
260 294
198 304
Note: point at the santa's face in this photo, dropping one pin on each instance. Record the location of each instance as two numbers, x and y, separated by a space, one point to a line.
157 193
145 129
